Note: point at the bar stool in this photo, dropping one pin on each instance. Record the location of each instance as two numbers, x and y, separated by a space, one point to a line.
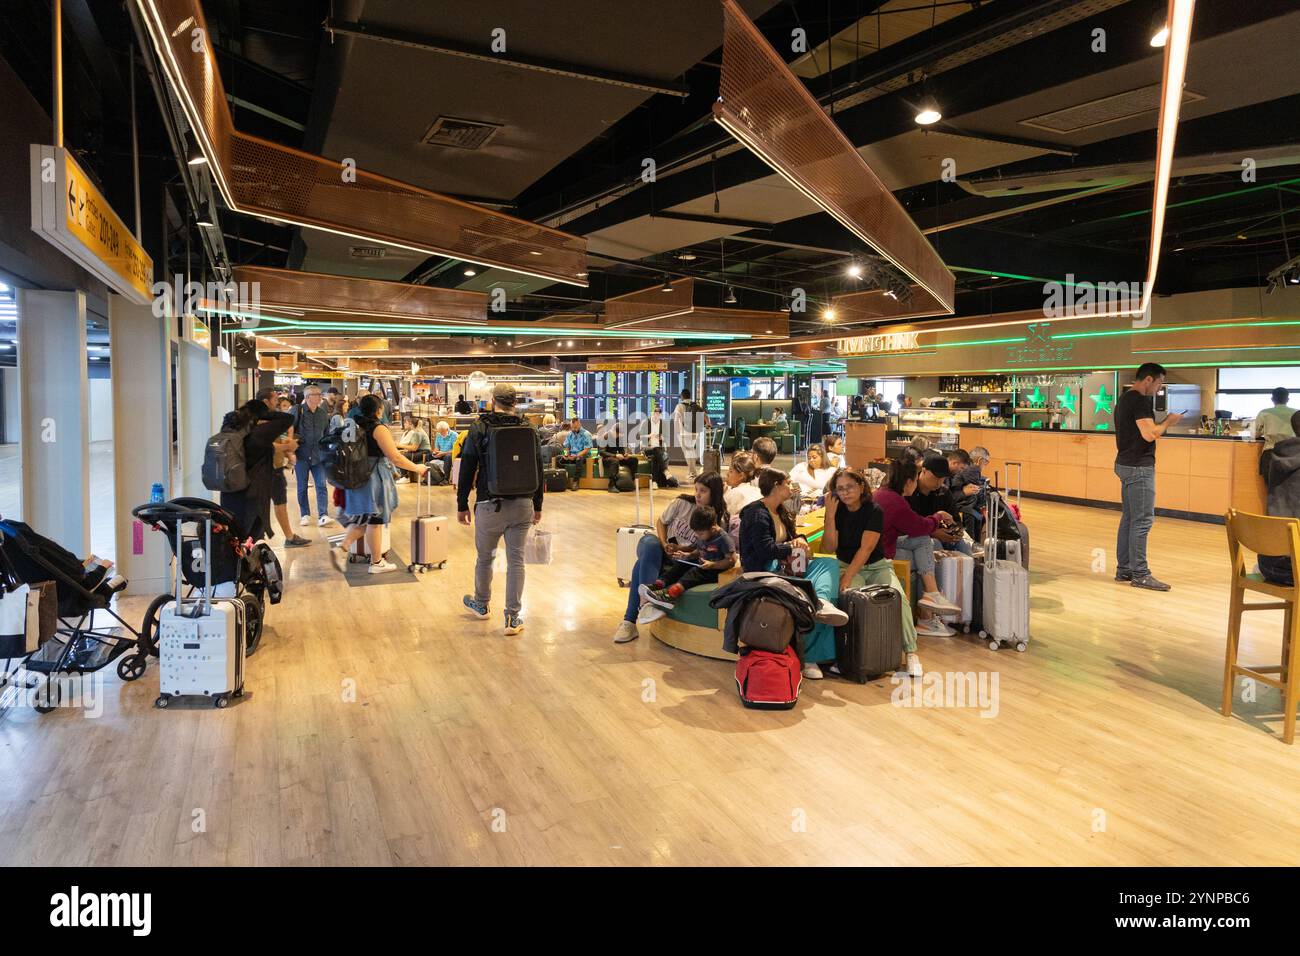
1270 536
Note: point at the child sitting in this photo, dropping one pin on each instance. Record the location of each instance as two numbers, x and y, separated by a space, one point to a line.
968 487
714 552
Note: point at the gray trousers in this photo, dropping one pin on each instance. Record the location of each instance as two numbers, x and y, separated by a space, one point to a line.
513 521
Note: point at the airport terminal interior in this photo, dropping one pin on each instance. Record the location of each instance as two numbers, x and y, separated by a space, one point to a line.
657 433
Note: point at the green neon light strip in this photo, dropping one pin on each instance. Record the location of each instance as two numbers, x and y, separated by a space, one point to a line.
1012 275
1175 328
1213 198
277 323
949 345
1040 369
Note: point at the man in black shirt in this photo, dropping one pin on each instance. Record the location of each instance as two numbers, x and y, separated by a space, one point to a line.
1135 464
933 495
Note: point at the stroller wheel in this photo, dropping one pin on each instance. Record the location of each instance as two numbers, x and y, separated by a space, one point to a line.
149 627
132 666
47 696
253 620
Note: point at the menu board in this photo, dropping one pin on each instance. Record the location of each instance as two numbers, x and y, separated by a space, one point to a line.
717 401
593 396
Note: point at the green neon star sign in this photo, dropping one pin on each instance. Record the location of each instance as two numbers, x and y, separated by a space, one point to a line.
1102 402
1036 397
1066 398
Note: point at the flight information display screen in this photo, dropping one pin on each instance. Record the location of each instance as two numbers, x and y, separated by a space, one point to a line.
599 395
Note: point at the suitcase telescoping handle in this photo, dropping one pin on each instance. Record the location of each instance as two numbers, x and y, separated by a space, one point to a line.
991 532
203 605
1018 479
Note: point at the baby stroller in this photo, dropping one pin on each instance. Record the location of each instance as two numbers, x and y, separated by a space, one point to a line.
238 568
75 648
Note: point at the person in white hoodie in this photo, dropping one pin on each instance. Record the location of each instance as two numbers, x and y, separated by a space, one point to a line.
811 475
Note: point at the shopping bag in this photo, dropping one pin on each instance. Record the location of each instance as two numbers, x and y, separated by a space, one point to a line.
19 621
537 547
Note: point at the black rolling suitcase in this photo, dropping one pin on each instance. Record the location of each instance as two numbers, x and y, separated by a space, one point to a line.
871 643
557 479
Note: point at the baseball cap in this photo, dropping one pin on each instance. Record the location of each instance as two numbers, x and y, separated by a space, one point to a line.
504 393
937 465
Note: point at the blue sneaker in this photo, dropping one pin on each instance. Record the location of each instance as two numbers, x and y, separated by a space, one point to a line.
514 623
480 611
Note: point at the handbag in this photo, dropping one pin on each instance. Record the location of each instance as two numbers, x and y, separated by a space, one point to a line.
537 547
766 625
28 618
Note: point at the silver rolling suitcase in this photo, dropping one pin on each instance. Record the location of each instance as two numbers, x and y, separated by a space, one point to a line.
627 538
1006 597
202 640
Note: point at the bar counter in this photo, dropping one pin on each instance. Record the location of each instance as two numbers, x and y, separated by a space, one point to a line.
1197 476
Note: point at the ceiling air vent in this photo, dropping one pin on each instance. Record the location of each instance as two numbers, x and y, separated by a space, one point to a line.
367 252
459 133
1108 109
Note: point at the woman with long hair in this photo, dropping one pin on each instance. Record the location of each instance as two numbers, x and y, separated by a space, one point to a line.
853 533
811 475
768 540
370 507
252 505
673 534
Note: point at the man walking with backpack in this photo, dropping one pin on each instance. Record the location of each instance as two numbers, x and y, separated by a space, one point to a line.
311 420
501 461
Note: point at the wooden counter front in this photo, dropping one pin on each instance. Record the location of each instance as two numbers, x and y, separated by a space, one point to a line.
1195 476
864 442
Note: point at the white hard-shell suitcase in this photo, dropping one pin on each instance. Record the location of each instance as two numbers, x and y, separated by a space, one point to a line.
1006 599
202 641
358 552
429 532
627 538
955 573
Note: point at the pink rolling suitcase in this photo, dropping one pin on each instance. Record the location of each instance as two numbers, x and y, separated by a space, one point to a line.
429 532
955 573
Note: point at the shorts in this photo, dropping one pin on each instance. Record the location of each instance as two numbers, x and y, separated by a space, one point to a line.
365 519
279 487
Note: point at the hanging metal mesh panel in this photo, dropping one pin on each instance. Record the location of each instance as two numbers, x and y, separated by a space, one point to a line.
263 178
310 291
767 108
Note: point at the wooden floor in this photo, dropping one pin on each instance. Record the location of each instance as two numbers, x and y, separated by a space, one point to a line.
464 746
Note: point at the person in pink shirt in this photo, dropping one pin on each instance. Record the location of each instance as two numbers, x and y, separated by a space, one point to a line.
907 536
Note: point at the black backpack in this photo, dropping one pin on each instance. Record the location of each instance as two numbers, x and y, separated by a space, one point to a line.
347 461
511 460
224 468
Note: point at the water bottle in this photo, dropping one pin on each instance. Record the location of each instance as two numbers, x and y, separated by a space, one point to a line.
156 493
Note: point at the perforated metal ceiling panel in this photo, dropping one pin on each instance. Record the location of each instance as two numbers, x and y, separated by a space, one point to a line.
263 178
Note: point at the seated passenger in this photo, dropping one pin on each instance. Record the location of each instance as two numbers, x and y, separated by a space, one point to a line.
1283 501
764 452
577 441
741 486
768 542
834 451
672 535
853 531
415 446
812 475
712 553
613 455
933 497
907 536
968 488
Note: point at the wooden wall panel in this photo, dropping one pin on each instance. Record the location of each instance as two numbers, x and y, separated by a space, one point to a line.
1209 496
1103 485
1174 457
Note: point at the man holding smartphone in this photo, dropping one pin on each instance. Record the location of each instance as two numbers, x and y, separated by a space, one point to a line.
1136 432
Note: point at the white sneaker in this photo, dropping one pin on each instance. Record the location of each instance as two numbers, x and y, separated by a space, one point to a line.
650 613
932 628
323 520
402 481
812 671
828 613
304 520
383 567
914 665
626 632
935 601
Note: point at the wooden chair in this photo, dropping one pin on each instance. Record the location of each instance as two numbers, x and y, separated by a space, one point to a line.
1270 536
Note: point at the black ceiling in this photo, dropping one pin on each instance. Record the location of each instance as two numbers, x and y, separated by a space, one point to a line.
570 151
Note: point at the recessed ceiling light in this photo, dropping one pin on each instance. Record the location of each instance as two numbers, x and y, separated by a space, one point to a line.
470 272
929 113
828 315
854 271
193 155
1160 37
533 252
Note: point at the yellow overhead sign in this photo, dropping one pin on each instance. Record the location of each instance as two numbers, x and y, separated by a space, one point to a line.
71 213
627 366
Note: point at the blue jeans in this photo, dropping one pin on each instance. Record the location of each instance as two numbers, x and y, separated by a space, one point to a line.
819 643
302 469
649 565
1138 504
919 550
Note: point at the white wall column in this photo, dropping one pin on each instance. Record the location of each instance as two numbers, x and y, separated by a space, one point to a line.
140 347
221 387
55 416
194 394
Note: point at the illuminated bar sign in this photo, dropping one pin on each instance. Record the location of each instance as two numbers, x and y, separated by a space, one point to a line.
872 344
627 366
72 215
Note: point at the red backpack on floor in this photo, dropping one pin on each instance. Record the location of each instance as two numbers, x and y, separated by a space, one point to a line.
767 680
